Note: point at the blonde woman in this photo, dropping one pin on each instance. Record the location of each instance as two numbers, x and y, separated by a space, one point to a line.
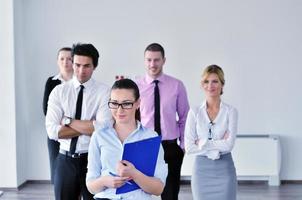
210 134
64 61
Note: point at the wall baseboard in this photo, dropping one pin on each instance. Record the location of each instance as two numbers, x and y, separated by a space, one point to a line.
186 181
23 184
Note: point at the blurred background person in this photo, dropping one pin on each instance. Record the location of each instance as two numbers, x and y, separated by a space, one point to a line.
164 108
64 62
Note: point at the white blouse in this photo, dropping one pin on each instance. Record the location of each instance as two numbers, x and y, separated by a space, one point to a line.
199 128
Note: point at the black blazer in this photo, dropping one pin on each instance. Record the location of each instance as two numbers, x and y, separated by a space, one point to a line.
49 86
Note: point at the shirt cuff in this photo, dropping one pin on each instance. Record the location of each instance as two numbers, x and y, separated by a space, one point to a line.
56 135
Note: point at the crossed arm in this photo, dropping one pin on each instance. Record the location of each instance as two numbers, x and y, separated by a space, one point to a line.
55 114
76 128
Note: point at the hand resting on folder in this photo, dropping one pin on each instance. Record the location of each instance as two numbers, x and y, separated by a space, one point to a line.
112 174
146 183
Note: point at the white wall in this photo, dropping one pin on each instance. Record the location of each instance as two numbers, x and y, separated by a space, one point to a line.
8 159
258 44
23 91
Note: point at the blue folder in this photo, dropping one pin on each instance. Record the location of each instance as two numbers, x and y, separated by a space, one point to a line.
143 155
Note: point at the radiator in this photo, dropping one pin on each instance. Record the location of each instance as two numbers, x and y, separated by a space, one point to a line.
256 157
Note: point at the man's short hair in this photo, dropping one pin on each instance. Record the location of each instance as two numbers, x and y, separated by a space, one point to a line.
86 50
156 47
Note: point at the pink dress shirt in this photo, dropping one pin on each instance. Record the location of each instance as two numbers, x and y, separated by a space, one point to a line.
174 106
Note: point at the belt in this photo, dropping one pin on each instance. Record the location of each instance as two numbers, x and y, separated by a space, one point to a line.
169 141
74 155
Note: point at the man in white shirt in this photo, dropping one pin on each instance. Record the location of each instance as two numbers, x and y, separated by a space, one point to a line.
74 108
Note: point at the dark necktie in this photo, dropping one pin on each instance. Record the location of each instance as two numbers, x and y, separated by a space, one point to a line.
77 116
156 108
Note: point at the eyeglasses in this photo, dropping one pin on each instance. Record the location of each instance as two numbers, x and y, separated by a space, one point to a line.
125 105
210 134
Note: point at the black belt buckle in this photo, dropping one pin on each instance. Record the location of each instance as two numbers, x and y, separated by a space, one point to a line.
75 155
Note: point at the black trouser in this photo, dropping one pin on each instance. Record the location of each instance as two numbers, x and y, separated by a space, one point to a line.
53 151
173 157
69 180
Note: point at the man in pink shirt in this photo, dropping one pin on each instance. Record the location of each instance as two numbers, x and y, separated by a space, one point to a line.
164 108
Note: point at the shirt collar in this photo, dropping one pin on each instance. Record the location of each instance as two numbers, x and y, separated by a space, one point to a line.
204 104
77 84
139 127
150 80
58 77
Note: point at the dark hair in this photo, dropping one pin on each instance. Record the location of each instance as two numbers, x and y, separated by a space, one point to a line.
63 49
129 85
86 50
156 47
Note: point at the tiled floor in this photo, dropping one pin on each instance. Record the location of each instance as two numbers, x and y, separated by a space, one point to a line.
250 191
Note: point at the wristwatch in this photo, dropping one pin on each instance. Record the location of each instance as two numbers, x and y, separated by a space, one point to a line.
67 121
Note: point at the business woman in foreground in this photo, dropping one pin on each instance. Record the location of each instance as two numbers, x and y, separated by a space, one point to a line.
106 170
210 134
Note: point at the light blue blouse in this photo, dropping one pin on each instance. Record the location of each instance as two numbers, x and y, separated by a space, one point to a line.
105 151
